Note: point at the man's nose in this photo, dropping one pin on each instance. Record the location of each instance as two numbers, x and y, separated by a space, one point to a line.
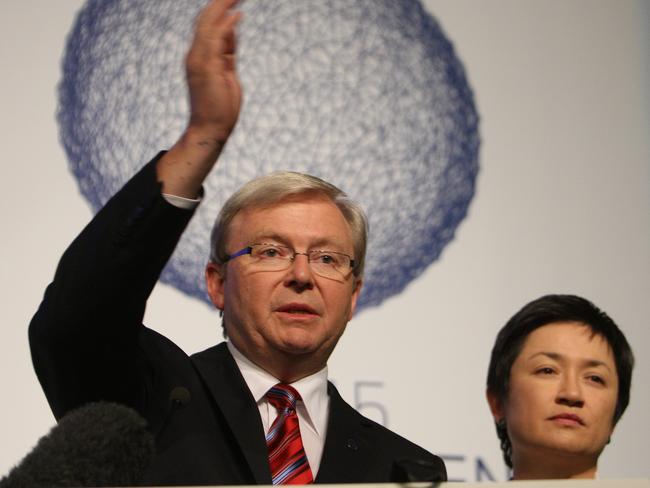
570 391
300 274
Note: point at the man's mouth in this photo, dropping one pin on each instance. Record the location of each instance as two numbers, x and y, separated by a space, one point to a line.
297 309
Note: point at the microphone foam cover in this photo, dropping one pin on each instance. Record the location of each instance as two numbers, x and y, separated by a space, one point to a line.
99 444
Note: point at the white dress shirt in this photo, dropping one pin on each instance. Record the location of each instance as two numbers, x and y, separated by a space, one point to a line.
313 410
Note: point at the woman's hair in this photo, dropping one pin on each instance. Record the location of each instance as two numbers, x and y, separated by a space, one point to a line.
547 310
281 186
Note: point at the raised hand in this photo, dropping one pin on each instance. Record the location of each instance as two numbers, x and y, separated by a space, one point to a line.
215 92
215 101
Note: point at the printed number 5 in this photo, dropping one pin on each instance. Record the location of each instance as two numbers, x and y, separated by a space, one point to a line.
363 405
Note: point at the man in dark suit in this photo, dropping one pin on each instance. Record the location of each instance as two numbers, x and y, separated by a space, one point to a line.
286 270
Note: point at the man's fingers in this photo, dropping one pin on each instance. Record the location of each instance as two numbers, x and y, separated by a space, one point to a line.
214 14
229 38
218 37
215 10
215 35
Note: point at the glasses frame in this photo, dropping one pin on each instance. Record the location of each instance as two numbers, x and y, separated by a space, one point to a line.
249 250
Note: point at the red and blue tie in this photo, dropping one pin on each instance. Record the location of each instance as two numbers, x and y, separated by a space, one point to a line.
287 459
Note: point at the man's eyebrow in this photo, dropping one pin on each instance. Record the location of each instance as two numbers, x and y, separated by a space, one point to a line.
265 236
590 363
323 243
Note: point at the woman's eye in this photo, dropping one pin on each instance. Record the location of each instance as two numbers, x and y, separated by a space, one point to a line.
596 379
545 371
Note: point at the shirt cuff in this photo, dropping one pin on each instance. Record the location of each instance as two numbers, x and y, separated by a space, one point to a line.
181 202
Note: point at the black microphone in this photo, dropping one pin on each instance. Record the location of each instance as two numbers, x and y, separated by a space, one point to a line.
178 398
99 444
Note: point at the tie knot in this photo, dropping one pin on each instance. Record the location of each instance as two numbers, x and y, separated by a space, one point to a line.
283 397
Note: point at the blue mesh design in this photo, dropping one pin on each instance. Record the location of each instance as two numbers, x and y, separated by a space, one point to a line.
367 94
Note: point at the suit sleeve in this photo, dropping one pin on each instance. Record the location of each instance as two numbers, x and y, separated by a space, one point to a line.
84 338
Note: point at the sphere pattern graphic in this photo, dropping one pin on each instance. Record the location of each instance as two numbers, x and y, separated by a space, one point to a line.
367 94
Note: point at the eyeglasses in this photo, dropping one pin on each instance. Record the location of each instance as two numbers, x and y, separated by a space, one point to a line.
328 264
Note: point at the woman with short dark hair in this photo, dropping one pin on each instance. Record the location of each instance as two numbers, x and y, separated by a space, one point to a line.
558 382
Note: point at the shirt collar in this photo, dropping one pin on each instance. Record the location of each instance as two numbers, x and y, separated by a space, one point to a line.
312 389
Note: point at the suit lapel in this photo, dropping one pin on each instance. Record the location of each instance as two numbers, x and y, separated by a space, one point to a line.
228 388
347 454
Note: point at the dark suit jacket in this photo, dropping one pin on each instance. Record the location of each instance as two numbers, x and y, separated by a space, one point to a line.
88 344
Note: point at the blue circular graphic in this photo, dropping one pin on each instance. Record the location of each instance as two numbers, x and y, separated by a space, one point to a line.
368 95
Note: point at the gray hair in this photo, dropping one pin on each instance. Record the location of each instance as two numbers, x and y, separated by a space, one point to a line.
279 186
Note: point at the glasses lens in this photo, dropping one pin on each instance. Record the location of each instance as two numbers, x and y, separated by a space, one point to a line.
330 264
271 255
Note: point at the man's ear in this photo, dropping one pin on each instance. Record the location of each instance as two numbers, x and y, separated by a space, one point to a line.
215 282
358 284
496 406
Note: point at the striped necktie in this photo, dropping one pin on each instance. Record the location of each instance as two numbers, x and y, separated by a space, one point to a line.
287 459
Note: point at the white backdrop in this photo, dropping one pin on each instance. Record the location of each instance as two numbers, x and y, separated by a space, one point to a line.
562 205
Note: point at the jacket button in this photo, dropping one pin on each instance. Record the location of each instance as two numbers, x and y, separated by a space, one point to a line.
352 444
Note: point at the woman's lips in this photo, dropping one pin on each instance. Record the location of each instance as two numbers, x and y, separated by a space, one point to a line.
567 419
